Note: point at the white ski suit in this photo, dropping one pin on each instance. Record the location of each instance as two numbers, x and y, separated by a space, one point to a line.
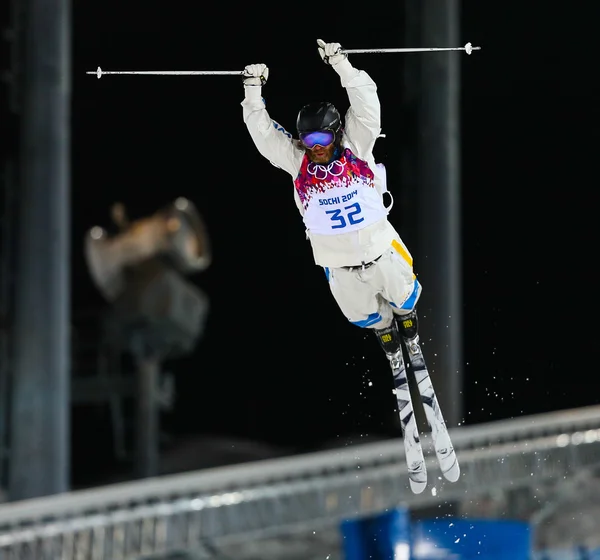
369 269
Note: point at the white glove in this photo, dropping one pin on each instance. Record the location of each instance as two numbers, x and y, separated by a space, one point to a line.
255 75
330 52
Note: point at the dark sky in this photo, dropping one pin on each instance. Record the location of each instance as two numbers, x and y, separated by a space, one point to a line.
279 362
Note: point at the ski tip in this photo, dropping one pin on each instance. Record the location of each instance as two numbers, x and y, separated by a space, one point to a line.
417 487
453 474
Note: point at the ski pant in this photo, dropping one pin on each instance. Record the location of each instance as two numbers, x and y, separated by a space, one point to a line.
370 296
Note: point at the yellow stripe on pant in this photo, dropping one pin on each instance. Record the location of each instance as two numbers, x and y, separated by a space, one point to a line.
403 253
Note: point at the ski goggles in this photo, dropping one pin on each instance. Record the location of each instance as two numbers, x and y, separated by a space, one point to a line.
321 138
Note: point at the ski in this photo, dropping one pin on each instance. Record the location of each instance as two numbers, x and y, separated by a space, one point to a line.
442 443
417 473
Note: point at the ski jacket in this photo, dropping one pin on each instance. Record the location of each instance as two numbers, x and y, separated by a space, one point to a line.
342 204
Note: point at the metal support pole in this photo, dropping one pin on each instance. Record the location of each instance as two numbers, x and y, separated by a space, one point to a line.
6 308
432 90
40 412
147 413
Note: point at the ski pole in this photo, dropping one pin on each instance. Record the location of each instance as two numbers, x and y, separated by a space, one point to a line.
99 72
468 48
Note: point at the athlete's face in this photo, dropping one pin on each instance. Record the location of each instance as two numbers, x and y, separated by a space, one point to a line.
320 154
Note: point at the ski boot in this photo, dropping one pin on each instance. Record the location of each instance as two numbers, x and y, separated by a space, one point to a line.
390 340
391 343
409 327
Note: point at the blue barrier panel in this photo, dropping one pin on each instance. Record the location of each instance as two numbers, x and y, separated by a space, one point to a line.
381 537
458 539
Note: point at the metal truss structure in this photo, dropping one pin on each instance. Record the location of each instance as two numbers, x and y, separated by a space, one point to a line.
220 507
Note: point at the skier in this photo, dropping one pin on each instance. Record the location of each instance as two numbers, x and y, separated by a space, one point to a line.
339 192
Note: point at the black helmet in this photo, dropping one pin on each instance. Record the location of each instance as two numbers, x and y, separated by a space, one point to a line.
319 116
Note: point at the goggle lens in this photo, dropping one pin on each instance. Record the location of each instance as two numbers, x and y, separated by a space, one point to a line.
319 138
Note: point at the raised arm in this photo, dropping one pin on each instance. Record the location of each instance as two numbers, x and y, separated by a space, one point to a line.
271 139
363 120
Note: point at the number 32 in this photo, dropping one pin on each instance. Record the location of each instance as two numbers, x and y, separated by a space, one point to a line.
337 216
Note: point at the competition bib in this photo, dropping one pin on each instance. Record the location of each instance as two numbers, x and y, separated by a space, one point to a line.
339 197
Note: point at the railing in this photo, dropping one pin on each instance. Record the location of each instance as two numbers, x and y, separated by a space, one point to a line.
181 512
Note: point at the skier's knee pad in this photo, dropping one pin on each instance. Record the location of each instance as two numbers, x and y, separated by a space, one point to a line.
408 324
